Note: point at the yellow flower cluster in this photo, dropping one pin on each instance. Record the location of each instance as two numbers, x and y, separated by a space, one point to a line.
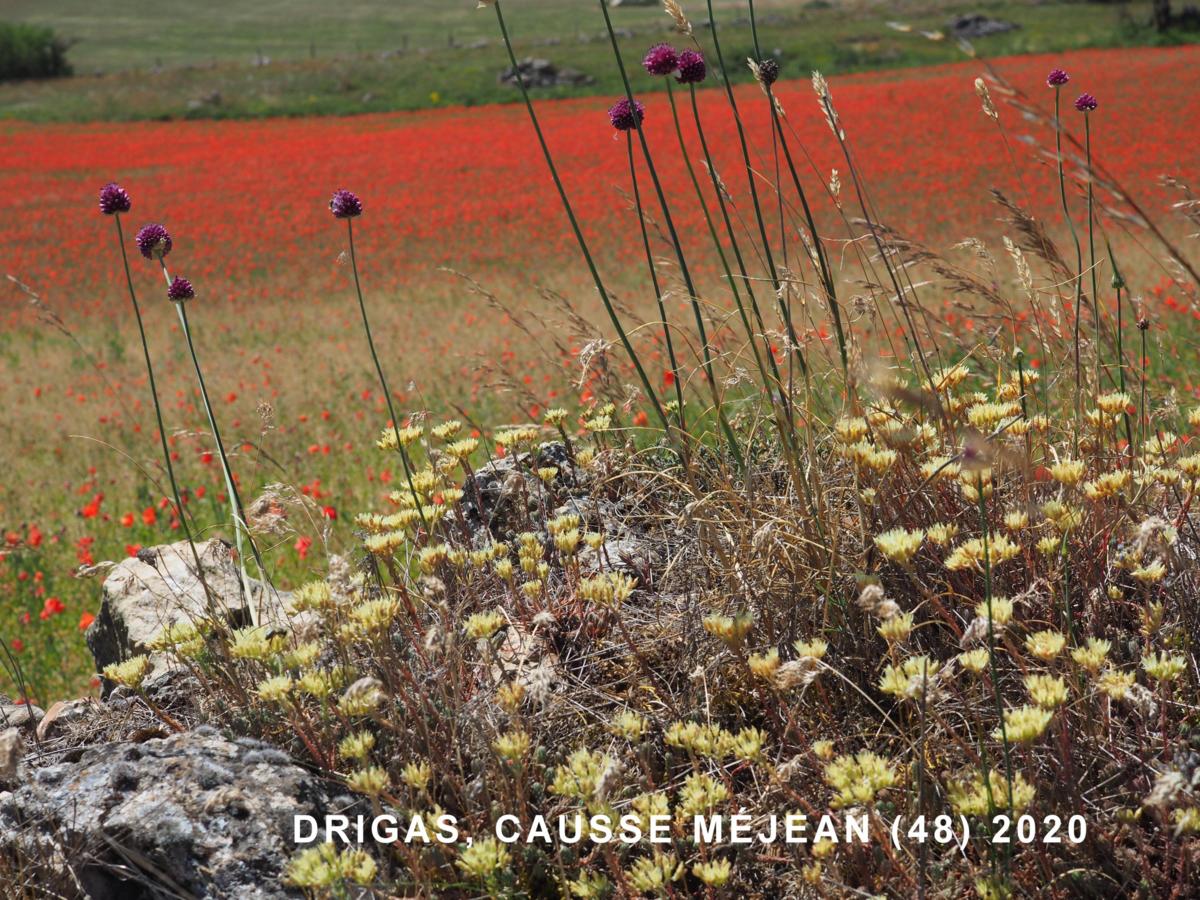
859 779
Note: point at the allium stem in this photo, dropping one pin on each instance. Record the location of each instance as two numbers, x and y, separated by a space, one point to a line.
658 294
162 431
751 334
708 221
1062 192
387 394
751 182
1087 131
693 296
1119 285
776 138
240 527
822 259
733 243
651 394
773 383
741 132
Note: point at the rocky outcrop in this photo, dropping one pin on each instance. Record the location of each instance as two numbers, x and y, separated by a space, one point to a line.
541 73
977 25
194 814
161 587
504 498
104 801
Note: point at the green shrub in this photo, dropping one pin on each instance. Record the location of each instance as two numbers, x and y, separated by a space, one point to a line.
31 51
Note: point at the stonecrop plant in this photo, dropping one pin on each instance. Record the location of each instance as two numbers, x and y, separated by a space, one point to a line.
850 565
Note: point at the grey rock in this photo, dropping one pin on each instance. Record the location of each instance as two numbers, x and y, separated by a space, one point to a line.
193 813
977 25
62 714
499 499
11 747
21 715
629 553
541 73
160 587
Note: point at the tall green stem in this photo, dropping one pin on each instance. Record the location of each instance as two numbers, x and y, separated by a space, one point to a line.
1118 283
818 245
387 394
778 136
240 527
1087 131
651 394
772 383
162 431
733 243
752 183
741 132
669 221
658 294
1062 192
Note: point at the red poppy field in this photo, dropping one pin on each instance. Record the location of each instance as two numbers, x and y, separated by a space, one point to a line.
275 316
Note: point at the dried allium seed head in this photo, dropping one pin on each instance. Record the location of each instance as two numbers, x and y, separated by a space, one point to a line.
661 59
114 199
767 72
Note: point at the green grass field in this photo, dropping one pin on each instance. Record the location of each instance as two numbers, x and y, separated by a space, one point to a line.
229 60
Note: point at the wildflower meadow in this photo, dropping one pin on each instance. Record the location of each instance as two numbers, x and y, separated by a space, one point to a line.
785 480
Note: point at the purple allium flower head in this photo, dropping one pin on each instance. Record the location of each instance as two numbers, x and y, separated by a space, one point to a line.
114 199
1085 103
661 59
1057 78
345 205
626 117
180 289
768 72
692 68
154 241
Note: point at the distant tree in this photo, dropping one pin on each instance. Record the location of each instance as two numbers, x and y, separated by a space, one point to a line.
1162 14
31 51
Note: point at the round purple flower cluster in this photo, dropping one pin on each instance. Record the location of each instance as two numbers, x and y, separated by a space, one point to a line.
626 116
1057 78
180 289
345 205
1085 103
692 68
154 241
114 199
661 59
